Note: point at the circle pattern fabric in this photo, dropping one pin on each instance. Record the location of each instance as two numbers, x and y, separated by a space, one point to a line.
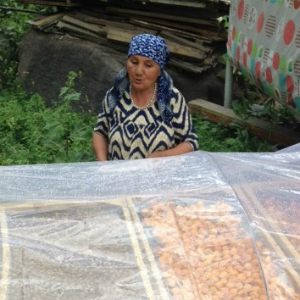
264 44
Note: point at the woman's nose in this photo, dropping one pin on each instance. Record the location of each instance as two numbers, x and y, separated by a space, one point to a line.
139 69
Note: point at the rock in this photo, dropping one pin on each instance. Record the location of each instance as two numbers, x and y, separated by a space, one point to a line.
46 59
206 86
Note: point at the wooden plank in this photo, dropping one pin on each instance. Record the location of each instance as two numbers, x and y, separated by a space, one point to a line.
125 37
164 21
100 21
144 241
260 128
160 28
53 204
183 27
72 28
5 255
183 41
86 37
186 66
139 13
90 27
184 50
210 61
139 255
47 21
178 2
226 1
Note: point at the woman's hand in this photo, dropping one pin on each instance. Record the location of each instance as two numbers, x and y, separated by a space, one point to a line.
178 150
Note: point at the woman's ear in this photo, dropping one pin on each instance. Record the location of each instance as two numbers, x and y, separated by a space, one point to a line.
159 73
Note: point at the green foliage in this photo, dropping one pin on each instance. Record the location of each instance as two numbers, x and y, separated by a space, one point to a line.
257 104
224 24
223 59
269 110
224 21
13 25
32 133
215 137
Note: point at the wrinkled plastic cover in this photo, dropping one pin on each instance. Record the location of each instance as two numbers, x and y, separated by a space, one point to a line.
198 226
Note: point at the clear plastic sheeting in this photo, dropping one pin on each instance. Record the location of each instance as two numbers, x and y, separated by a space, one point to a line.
207 226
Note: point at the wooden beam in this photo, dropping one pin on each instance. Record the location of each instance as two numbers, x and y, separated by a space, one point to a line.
192 68
166 16
197 4
161 28
90 27
186 51
260 128
212 34
46 21
76 29
125 36
164 20
100 21
183 41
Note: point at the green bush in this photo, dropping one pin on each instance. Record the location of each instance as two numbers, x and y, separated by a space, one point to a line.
31 133
215 137
13 25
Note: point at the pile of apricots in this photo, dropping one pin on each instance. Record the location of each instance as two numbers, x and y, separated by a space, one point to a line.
207 253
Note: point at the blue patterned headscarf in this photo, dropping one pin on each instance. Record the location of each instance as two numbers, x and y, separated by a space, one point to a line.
155 48
151 46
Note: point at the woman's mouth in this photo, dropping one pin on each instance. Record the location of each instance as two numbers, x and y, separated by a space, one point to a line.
137 81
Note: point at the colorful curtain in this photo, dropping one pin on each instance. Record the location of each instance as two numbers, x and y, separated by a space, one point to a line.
264 44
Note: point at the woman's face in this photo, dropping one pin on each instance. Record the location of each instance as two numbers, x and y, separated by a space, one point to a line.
142 72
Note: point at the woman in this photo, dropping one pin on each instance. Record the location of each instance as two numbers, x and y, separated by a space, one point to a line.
143 114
